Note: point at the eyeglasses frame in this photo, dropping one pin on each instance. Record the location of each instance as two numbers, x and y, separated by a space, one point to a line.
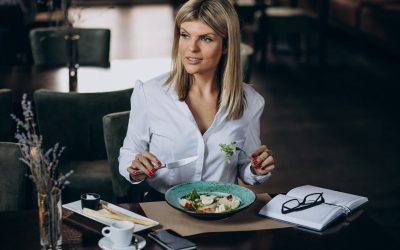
302 205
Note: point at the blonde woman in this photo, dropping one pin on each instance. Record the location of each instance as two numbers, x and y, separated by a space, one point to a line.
199 105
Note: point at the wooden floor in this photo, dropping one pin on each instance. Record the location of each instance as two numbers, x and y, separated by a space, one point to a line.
335 127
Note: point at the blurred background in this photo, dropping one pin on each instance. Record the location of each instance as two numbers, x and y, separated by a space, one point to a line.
328 70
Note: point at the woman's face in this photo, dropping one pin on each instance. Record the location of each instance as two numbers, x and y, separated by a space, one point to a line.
200 48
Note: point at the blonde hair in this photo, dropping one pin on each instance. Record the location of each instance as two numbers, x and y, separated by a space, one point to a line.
221 16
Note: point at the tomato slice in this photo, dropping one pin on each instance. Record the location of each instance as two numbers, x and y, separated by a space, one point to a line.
229 197
188 205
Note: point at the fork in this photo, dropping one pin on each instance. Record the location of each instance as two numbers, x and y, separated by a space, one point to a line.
269 152
237 148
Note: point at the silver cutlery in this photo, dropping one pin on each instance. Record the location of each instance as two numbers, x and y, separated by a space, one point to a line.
269 152
175 164
239 149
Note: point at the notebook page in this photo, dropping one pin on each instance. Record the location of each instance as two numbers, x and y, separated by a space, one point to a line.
350 201
315 217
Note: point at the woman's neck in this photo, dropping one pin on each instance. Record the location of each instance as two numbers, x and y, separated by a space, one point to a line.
203 85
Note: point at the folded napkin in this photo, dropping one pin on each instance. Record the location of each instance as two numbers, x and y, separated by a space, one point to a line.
186 225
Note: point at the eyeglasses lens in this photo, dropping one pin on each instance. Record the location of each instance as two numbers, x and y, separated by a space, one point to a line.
309 199
292 204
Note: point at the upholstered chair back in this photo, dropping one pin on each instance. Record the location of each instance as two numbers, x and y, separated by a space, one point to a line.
75 121
12 177
115 127
50 46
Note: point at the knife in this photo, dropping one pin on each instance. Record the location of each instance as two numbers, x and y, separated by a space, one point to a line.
174 164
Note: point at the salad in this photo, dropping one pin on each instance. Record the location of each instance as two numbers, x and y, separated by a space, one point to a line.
209 203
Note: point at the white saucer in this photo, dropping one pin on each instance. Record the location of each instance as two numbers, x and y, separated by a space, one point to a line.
106 244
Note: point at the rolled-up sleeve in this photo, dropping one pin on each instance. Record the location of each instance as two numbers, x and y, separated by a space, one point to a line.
138 135
252 142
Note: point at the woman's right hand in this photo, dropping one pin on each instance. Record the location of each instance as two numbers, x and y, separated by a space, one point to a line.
145 162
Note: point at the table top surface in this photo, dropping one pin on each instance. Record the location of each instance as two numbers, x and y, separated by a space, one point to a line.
122 74
361 233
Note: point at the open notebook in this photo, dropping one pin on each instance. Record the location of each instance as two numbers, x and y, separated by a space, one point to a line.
317 217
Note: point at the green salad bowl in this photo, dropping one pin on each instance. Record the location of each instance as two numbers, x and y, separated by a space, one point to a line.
246 196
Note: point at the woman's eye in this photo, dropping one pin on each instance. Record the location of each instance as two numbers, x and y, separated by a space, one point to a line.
207 39
184 35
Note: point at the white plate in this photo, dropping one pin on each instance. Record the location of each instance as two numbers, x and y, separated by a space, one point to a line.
106 244
77 208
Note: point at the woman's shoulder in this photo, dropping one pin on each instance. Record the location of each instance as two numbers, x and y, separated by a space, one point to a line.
154 84
252 96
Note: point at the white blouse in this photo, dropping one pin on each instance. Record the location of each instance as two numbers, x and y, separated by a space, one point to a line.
165 126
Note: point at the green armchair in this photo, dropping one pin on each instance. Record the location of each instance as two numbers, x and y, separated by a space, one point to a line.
12 177
115 126
49 46
75 121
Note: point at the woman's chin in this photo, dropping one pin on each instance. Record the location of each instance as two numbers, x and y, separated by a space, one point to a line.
194 72
191 70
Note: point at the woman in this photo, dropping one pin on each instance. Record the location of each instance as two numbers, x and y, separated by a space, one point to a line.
199 105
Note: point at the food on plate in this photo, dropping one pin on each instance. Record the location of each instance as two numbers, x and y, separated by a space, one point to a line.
209 203
108 212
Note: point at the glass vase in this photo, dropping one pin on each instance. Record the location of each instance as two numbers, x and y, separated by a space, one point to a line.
50 219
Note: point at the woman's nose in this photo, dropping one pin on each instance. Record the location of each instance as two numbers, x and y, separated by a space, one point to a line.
193 46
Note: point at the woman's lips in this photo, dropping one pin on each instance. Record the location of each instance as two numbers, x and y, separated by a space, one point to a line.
193 60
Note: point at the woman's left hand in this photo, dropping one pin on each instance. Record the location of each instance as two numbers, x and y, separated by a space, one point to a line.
262 161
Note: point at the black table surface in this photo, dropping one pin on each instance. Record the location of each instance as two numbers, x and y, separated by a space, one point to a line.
19 230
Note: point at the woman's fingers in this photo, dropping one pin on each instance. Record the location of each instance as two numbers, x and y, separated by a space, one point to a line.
152 158
268 168
263 161
260 156
143 162
259 150
138 166
134 176
269 160
146 163
264 170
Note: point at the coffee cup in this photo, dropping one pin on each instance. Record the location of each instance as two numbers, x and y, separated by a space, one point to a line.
120 233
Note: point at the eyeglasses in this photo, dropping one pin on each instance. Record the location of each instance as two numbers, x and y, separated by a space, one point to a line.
309 201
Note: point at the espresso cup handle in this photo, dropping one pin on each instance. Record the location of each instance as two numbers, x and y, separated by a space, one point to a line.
106 231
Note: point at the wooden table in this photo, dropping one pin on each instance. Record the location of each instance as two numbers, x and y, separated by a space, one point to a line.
19 230
122 74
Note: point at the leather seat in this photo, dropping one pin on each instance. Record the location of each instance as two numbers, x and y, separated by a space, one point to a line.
75 121
115 126
12 177
12 170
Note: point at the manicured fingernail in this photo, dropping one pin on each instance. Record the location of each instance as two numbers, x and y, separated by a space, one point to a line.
255 162
134 172
153 171
159 163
